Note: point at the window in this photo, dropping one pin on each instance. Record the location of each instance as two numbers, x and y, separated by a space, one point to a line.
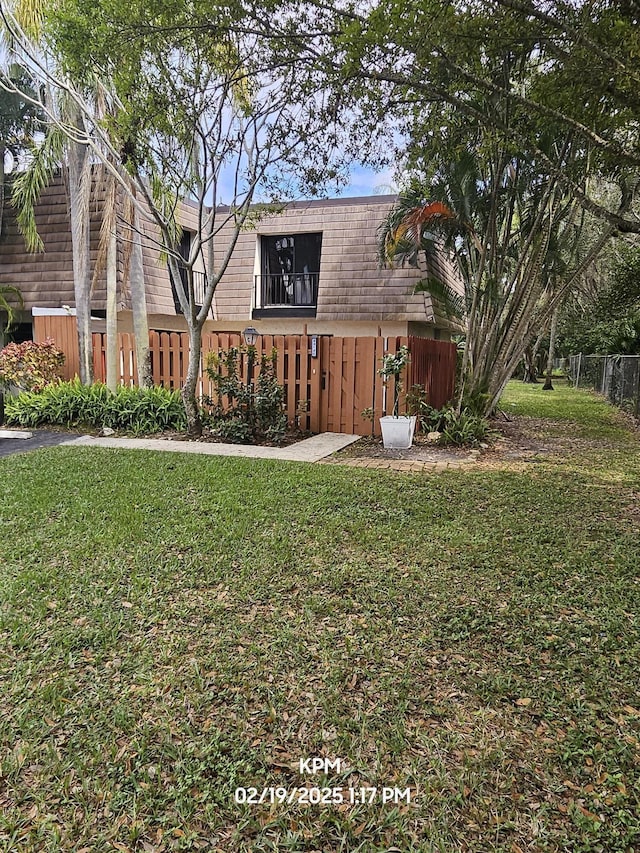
290 269
198 277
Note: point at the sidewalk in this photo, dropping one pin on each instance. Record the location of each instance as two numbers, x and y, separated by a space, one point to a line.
309 450
318 449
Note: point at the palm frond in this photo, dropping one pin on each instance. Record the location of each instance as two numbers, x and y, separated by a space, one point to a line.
8 290
411 225
452 302
30 15
29 185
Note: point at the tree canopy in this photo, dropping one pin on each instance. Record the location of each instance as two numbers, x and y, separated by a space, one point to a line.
566 67
195 100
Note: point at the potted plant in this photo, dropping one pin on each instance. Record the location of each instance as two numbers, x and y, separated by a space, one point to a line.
397 430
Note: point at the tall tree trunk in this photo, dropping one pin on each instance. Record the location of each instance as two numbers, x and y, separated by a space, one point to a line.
2 183
139 309
192 410
548 385
530 372
112 314
79 198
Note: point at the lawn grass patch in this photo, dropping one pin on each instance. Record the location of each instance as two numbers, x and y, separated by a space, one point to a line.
175 627
591 415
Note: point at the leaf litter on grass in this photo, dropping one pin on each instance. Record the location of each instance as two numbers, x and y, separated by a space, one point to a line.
479 645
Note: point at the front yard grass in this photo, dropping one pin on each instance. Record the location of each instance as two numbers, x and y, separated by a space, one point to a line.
173 628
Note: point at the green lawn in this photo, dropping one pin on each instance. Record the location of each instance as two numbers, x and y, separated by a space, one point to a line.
173 628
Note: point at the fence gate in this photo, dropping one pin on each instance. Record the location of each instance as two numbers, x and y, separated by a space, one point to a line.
351 384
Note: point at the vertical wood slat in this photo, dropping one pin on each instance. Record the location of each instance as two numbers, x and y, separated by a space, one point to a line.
278 342
364 390
154 346
290 346
173 368
303 380
433 365
316 398
379 392
325 386
165 344
348 380
335 367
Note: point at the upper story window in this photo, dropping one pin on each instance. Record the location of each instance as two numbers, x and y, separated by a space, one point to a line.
290 269
198 277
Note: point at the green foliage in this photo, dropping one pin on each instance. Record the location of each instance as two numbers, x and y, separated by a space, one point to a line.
414 226
463 428
428 419
392 366
241 412
488 209
466 427
30 366
517 75
609 320
136 410
30 183
8 296
20 118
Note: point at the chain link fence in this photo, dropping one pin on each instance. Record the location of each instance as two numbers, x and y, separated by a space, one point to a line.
617 377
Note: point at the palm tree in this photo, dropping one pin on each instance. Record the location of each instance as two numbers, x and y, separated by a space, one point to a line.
63 144
514 236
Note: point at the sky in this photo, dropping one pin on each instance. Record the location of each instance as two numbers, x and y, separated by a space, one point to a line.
365 181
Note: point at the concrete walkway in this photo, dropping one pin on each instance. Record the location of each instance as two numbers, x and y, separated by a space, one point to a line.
318 448
310 450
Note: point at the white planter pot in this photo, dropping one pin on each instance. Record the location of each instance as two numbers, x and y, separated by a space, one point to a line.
397 433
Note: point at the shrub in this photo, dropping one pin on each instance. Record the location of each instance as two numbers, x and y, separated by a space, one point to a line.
30 366
392 366
428 419
241 412
463 427
137 410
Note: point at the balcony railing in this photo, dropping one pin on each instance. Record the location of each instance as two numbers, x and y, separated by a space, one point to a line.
199 287
288 290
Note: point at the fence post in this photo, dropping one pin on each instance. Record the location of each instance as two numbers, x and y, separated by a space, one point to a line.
578 370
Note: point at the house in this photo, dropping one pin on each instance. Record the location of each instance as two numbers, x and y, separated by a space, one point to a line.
306 277
311 268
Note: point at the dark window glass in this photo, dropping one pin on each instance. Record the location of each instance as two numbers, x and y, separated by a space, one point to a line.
290 269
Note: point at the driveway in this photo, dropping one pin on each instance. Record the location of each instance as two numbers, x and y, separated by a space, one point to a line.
41 438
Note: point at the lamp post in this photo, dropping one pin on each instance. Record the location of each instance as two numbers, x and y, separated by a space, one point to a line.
250 336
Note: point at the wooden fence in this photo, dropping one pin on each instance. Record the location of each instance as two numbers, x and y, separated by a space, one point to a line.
327 385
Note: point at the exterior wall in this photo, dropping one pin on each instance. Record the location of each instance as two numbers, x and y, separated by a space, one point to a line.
45 278
275 326
355 296
352 287
156 273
